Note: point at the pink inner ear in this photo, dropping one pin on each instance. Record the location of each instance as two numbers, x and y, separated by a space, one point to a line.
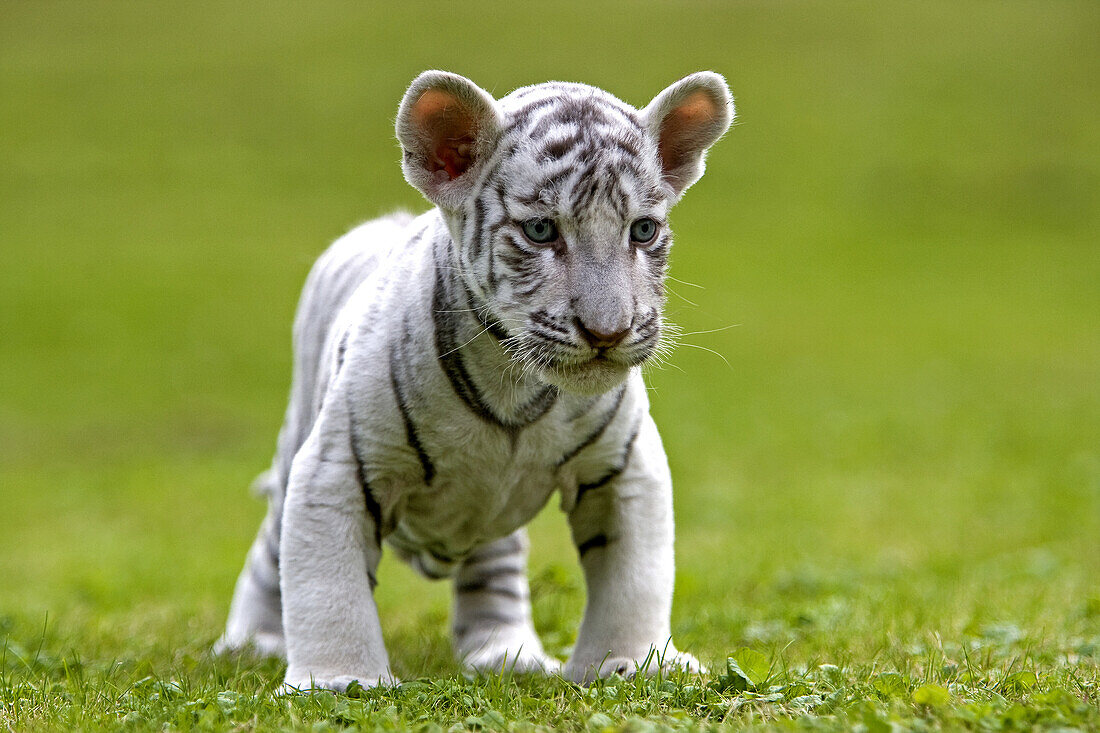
684 128
453 156
451 129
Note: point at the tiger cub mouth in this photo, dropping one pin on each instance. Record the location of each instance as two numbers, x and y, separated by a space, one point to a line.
588 370
594 375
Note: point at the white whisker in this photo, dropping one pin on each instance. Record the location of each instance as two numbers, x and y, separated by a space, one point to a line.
467 343
685 282
712 330
712 351
686 300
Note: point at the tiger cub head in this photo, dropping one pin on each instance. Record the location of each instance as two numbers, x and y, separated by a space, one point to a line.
557 199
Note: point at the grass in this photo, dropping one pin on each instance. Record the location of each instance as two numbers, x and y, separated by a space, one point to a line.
888 492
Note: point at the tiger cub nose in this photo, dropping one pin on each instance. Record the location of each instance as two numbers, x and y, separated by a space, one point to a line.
597 339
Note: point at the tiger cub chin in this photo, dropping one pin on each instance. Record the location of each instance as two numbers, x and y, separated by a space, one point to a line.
454 370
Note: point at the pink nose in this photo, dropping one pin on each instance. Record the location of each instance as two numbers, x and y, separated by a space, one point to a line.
598 339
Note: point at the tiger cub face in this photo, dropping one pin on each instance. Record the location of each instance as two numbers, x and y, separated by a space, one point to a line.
557 198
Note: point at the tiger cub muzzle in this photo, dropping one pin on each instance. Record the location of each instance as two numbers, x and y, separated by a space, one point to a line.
586 357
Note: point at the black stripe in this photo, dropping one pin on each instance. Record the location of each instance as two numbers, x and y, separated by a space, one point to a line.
491 324
618 201
618 197
505 547
644 339
519 252
628 117
374 509
503 152
540 193
615 470
559 148
628 146
496 226
483 576
539 405
342 349
594 188
412 436
595 434
485 318
581 112
527 285
583 178
523 114
630 166
552 338
496 618
448 353
600 540
646 334
539 130
599 483
484 585
417 236
493 280
475 228
580 118
489 568
543 318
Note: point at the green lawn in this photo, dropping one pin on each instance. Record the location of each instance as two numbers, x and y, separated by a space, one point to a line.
888 483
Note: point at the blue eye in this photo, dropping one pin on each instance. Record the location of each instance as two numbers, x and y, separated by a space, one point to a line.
643 231
540 231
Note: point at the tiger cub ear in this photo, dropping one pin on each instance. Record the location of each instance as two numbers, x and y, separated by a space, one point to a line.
686 119
447 126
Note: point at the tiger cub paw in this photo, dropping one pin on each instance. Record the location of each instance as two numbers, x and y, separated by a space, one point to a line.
503 653
654 664
510 661
339 683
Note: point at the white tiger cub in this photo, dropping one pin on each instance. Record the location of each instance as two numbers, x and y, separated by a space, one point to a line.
454 370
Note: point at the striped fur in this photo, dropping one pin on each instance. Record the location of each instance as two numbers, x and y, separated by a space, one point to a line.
454 370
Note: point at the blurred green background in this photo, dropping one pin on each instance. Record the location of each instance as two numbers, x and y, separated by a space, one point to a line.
902 226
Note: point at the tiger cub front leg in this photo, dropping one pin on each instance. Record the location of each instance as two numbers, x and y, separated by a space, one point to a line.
329 556
492 624
622 527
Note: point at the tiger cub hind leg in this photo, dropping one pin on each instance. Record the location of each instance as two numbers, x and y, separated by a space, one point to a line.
256 614
493 631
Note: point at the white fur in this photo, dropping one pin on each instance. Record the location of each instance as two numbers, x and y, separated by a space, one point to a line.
445 389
